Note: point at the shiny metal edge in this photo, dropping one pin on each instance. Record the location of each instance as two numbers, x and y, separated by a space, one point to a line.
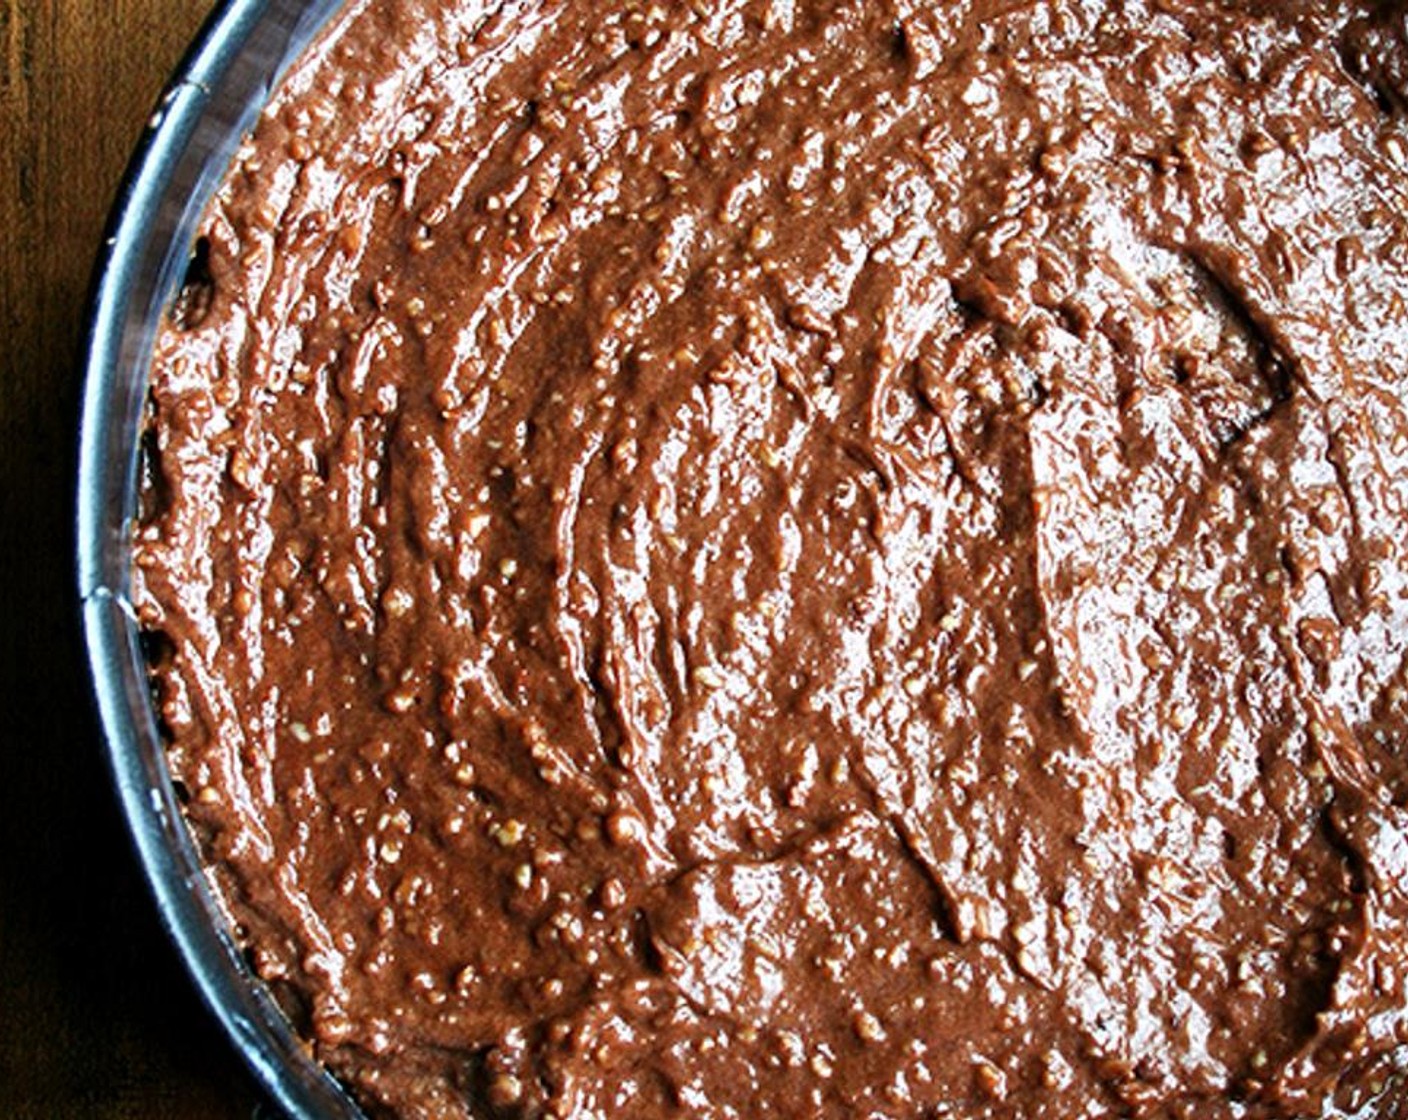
219 89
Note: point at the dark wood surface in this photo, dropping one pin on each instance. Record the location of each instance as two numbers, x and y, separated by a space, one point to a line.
97 1018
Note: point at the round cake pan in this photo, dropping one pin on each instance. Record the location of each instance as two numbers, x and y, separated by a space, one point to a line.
214 98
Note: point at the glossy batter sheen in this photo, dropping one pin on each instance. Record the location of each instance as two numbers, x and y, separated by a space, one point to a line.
807 560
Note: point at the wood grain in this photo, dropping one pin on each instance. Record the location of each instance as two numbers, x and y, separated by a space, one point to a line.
96 1017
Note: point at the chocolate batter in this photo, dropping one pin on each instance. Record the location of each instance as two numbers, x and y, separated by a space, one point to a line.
807 559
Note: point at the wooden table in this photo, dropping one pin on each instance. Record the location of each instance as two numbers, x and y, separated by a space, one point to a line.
97 1019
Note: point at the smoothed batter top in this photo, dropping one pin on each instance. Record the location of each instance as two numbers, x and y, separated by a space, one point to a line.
806 559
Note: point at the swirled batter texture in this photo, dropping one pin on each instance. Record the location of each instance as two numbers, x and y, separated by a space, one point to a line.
807 558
